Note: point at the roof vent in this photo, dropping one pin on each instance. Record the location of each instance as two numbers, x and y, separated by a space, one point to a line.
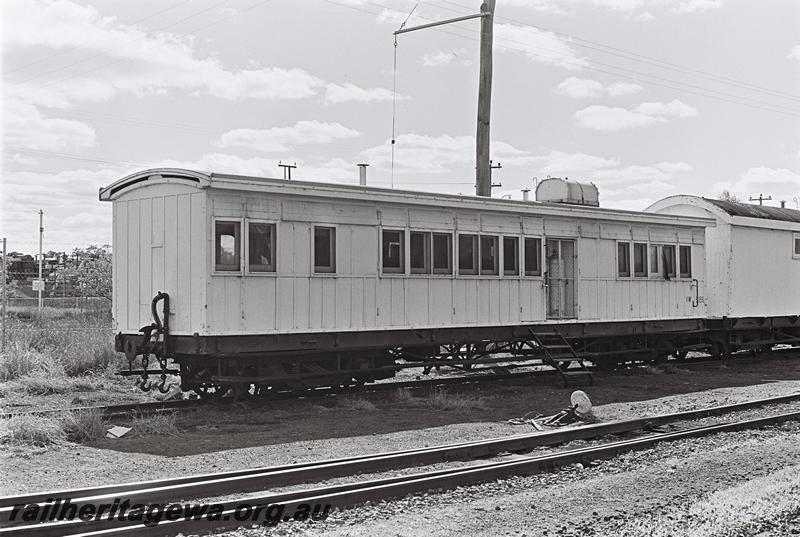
557 190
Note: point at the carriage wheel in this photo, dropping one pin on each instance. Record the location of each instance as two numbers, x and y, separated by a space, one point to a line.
211 391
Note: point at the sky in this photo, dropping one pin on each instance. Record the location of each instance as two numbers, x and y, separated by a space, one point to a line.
645 98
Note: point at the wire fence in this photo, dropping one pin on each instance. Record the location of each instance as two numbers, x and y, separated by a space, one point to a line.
65 307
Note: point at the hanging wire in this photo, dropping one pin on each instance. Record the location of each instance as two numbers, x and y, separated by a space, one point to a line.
394 103
394 91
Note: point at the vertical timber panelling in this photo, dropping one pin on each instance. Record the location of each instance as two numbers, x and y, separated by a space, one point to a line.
200 261
440 302
315 306
398 302
184 310
157 246
120 265
171 261
329 302
145 276
417 300
133 265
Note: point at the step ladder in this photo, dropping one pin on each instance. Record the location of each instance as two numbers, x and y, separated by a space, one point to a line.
559 354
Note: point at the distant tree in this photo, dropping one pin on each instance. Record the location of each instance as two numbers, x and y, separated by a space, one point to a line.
796 201
726 195
90 271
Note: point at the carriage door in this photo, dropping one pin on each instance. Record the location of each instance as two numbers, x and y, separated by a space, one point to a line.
560 278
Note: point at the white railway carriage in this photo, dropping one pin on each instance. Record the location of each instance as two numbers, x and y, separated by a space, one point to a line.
752 266
270 282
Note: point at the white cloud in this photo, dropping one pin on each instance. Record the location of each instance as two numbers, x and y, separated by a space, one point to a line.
24 125
132 60
638 10
605 118
619 89
433 154
780 183
560 163
555 7
438 58
392 16
644 16
690 6
586 88
538 45
795 53
76 195
673 108
580 88
281 138
342 93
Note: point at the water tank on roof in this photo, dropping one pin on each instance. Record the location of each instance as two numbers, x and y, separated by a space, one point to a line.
556 190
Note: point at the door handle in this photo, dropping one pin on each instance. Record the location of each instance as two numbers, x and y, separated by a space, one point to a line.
696 299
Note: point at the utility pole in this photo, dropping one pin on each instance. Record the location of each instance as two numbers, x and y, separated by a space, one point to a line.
761 199
483 179
483 173
41 258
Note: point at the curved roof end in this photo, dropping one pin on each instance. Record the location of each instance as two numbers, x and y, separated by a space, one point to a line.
153 176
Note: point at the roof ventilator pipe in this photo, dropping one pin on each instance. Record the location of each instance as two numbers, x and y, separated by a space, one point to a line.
362 174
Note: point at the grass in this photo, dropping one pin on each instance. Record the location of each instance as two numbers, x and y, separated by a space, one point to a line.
401 396
438 399
80 427
58 350
32 430
356 403
85 426
159 424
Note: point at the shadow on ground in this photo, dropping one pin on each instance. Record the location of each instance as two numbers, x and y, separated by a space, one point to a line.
213 429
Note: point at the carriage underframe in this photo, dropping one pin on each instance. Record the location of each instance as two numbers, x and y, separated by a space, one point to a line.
260 364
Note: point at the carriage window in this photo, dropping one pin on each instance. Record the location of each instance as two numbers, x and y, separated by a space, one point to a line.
467 254
324 249
393 251
623 259
653 259
226 246
420 252
442 253
796 254
489 257
260 247
685 253
511 256
639 259
668 261
533 253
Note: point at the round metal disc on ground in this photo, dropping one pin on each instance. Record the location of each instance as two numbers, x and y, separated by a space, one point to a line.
580 402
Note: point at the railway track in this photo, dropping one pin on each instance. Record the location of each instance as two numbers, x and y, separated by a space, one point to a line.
111 411
356 492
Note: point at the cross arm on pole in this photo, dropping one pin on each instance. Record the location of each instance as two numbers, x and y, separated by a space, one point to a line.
440 23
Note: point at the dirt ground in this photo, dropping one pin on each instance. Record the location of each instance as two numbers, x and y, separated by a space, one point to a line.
294 431
282 422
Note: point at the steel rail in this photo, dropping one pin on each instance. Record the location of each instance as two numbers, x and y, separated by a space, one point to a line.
356 493
207 485
156 406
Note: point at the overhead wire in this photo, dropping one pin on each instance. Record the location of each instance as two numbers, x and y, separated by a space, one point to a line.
75 47
394 92
120 60
634 56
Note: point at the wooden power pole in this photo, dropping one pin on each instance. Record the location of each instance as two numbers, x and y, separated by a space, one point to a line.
483 173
